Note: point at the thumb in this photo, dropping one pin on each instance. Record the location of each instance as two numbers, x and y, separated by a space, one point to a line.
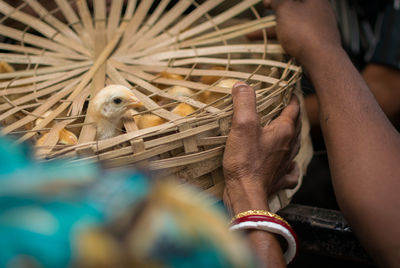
244 106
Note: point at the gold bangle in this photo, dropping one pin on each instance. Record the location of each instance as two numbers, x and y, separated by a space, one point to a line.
256 213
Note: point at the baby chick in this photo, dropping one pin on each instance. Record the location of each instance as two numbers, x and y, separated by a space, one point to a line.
65 137
108 107
180 91
210 97
5 67
210 79
183 109
148 120
163 86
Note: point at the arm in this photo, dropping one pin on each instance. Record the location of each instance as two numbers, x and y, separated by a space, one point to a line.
363 147
257 163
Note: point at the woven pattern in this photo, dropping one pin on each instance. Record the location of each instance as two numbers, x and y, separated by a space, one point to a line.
65 55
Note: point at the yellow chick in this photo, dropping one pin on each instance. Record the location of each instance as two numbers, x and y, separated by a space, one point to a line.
208 79
108 107
39 120
162 86
171 76
180 91
5 67
227 83
148 120
65 137
210 97
183 109
176 91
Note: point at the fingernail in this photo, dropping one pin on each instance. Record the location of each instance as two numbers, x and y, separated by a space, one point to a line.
238 84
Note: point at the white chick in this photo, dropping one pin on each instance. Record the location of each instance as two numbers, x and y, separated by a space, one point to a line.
108 107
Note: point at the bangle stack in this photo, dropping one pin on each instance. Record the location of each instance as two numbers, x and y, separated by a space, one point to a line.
271 222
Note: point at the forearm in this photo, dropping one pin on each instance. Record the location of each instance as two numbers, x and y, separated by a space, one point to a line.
363 151
240 198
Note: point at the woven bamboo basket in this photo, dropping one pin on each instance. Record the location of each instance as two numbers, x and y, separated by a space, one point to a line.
64 52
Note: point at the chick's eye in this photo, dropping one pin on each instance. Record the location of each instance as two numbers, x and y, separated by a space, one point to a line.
117 101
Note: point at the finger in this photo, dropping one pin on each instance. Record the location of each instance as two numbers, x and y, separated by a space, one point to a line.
291 178
291 112
295 147
285 124
297 140
244 106
258 35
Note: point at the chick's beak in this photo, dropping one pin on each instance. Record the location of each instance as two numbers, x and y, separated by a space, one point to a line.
133 101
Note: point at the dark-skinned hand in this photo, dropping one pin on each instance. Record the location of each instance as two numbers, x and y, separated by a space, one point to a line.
304 27
258 160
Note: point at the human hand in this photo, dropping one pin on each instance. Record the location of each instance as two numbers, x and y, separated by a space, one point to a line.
305 28
258 160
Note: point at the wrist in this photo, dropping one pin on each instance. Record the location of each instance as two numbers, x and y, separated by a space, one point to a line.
318 55
245 194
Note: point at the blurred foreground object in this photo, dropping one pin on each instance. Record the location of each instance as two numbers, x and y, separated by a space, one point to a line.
56 214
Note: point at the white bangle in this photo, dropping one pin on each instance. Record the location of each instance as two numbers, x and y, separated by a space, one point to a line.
275 228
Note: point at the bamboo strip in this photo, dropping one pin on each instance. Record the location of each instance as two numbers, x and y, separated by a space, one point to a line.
25 59
130 9
88 132
235 28
16 109
35 51
193 172
51 20
187 159
181 135
127 160
58 77
134 77
34 40
186 22
27 98
79 101
41 27
220 35
41 71
214 61
114 17
40 110
227 36
85 18
137 19
207 51
168 18
145 27
240 7
74 21
28 81
197 72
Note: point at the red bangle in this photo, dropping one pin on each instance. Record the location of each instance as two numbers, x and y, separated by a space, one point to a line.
273 225
256 218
